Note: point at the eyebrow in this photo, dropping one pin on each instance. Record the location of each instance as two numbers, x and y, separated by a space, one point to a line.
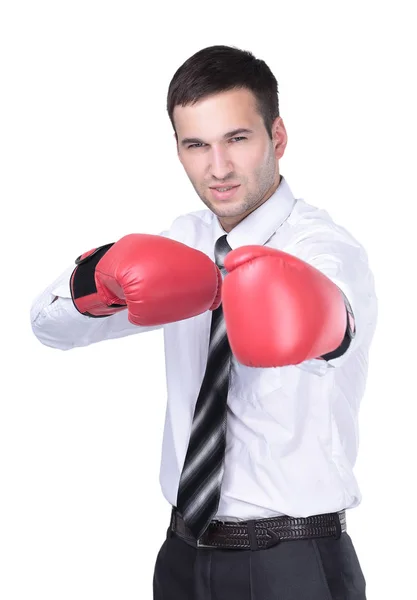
186 141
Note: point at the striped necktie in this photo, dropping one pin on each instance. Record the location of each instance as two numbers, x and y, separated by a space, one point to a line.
202 473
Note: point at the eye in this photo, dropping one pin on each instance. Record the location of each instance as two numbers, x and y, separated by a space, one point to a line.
201 144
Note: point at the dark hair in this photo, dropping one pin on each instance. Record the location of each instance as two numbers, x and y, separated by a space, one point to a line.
222 68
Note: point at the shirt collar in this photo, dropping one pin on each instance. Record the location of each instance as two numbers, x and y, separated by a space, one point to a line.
263 222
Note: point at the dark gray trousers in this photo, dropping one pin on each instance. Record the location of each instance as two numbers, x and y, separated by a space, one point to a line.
315 569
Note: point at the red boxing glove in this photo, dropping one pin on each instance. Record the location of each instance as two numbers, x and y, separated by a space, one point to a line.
278 309
157 279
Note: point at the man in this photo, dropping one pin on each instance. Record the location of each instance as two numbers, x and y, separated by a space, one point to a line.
268 309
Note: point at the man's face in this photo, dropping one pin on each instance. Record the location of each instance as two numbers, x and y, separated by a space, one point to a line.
215 153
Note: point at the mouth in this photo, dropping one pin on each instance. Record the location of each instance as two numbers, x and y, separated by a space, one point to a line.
225 192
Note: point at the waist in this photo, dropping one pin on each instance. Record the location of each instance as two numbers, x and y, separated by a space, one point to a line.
257 534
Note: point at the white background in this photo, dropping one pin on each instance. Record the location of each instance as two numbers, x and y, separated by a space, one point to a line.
87 156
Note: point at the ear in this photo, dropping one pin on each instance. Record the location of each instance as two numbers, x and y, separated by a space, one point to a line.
279 137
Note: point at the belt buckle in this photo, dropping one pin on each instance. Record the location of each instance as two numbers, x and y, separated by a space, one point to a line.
274 538
200 541
201 545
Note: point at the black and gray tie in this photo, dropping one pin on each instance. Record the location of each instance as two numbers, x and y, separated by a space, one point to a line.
202 473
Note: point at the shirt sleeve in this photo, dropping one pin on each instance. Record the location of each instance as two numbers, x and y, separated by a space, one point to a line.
333 251
57 323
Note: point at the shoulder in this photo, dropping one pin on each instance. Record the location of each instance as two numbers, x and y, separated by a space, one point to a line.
310 224
329 247
313 236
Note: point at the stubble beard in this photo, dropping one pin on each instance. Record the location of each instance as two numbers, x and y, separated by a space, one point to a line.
264 178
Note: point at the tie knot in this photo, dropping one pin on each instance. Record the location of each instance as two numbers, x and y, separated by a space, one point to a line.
220 250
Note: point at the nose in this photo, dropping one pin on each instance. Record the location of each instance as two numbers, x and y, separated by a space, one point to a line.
220 164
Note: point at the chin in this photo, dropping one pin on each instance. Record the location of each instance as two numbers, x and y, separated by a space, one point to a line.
224 208
229 211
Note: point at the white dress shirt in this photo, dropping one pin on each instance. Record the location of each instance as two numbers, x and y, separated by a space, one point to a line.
292 432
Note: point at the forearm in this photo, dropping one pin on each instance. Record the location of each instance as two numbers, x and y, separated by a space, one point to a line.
56 322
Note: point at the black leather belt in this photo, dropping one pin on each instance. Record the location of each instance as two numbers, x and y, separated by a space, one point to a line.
260 533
